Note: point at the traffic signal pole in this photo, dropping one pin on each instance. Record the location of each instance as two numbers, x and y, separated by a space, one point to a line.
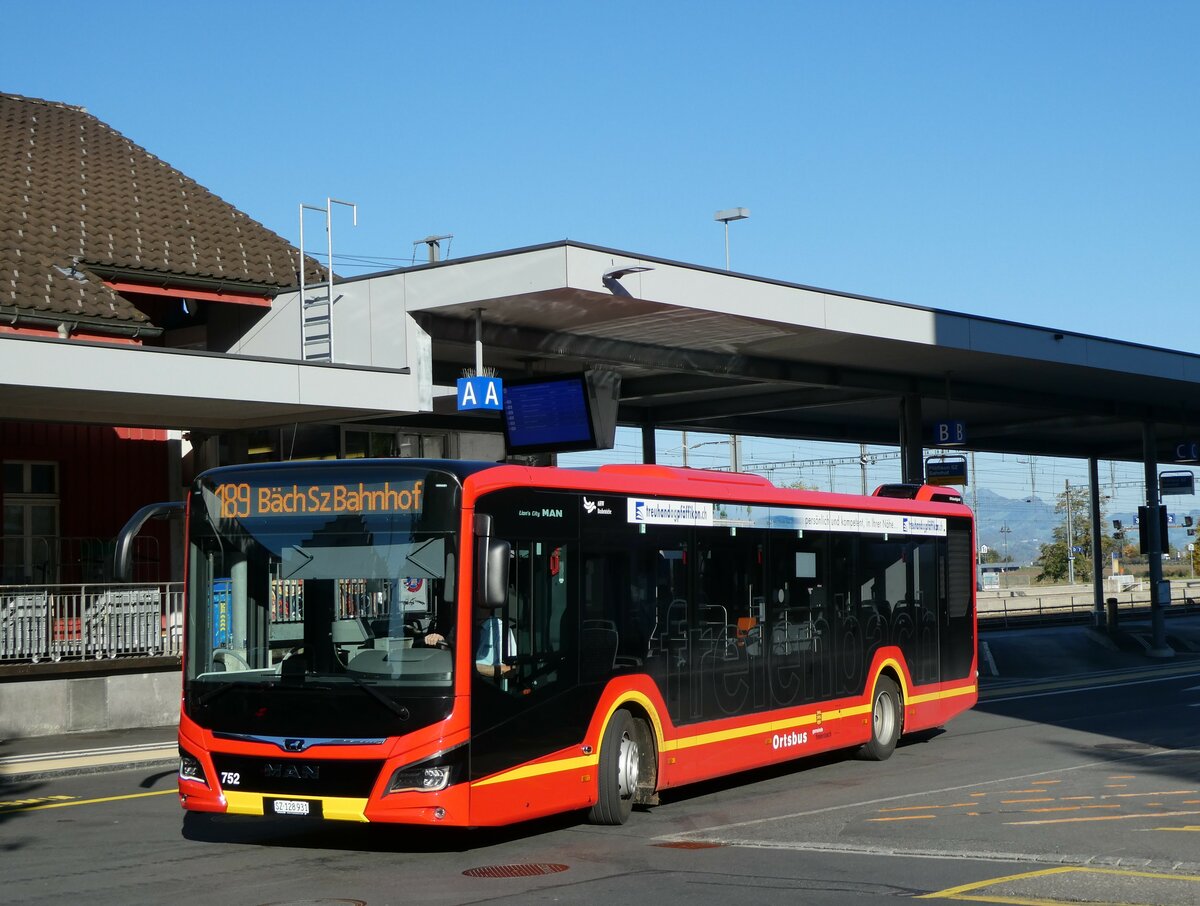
1160 597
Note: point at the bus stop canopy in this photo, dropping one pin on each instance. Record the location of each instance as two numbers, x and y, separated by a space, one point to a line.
701 349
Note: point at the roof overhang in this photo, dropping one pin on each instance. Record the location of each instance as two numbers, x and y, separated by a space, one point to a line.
701 349
98 383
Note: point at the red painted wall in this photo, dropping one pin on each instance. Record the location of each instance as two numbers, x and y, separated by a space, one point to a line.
104 474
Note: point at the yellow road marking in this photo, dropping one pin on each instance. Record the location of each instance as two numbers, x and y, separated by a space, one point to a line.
14 804
923 808
1019 801
1068 808
35 808
965 891
1103 818
1143 795
1192 827
911 808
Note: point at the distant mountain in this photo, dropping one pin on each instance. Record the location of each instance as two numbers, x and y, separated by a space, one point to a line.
1031 522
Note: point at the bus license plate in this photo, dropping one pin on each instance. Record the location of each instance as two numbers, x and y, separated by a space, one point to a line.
292 807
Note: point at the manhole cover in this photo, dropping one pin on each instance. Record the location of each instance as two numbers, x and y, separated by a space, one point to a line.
524 870
689 844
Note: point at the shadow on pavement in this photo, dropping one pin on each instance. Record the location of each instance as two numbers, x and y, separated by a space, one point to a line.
14 796
315 834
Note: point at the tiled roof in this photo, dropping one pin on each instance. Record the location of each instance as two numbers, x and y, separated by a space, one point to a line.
75 193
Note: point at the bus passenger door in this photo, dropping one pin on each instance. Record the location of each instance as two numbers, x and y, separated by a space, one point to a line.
525 662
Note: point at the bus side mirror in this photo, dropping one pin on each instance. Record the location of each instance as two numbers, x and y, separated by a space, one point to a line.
495 574
123 553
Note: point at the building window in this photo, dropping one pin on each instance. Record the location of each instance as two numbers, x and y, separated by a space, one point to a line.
29 548
360 443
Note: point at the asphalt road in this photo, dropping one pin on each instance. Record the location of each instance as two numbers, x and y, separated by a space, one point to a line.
1061 795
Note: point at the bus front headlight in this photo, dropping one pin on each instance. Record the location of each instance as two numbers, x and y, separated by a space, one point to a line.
425 780
190 767
432 774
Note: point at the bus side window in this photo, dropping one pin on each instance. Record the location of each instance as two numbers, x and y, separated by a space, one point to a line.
534 647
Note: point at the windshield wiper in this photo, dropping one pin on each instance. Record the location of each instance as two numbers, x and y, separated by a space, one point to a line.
219 690
396 708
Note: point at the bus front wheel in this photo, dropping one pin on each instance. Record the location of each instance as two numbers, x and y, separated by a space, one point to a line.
618 771
885 720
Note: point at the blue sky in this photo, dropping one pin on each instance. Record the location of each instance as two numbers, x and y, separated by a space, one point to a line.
1035 161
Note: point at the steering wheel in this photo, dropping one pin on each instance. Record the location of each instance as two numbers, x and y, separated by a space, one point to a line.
231 655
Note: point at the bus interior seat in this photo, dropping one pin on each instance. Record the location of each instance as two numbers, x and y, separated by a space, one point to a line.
351 631
349 635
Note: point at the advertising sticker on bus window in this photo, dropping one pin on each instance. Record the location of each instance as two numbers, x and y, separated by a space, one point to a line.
670 512
868 523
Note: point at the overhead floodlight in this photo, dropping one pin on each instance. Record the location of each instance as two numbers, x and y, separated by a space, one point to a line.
611 277
725 217
731 214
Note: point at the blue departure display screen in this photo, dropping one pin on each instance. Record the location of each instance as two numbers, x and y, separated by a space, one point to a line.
548 416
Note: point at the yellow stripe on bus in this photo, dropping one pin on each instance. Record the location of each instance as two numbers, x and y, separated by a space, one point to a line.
541 769
702 739
337 808
939 696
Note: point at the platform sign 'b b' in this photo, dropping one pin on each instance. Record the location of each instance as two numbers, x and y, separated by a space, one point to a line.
949 433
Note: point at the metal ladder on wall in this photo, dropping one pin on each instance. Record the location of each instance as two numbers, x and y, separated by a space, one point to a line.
316 324
316 311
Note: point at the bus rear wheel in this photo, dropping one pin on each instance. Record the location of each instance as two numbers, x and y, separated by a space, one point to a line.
885 720
618 771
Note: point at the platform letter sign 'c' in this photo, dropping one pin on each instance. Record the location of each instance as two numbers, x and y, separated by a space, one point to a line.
480 393
1187 451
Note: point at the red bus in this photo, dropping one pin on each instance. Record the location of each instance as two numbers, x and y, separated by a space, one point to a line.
469 644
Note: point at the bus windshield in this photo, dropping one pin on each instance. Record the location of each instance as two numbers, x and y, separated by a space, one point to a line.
306 580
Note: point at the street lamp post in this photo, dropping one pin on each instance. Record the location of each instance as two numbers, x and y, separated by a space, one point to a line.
726 216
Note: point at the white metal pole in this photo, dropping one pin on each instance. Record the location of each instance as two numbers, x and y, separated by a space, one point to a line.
302 206
479 342
329 266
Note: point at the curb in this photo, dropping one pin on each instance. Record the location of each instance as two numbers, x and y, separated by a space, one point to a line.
46 765
1088 680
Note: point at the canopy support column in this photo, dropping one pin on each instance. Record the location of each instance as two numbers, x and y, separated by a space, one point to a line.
912 465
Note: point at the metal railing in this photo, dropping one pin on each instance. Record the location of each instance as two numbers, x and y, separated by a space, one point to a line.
90 622
999 611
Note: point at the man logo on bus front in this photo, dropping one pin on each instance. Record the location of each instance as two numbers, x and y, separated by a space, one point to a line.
294 745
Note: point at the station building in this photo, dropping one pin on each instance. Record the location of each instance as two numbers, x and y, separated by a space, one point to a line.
148 330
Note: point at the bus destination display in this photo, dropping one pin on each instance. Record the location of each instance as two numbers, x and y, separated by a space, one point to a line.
242 500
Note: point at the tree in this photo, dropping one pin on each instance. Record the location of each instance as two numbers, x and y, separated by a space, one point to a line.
1074 505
